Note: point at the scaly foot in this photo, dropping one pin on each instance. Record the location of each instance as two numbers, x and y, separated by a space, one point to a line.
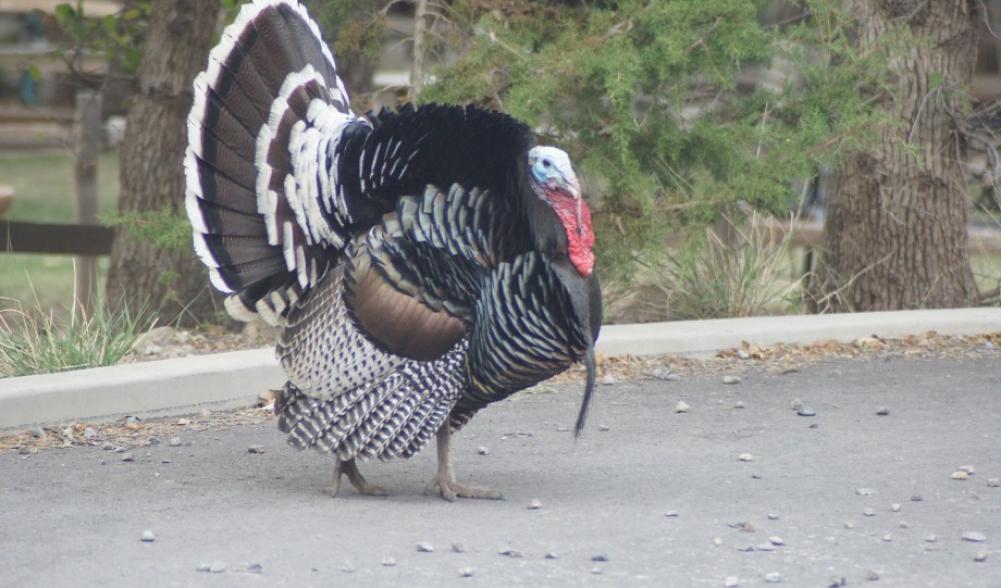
444 482
350 469
451 490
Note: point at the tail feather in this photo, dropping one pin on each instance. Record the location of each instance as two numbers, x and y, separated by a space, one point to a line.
262 111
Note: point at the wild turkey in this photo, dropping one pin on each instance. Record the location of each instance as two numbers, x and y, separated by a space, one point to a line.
423 263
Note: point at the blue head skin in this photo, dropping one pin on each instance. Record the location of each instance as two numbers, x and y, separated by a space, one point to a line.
552 172
555 182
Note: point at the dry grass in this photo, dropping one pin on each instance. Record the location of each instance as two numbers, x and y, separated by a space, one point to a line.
744 275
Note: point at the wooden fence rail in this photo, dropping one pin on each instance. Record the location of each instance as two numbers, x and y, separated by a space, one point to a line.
55 239
95 240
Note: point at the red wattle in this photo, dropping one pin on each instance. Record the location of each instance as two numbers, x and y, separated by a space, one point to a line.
580 239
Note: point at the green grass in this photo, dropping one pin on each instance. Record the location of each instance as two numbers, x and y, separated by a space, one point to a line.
44 186
49 278
37 340
44 192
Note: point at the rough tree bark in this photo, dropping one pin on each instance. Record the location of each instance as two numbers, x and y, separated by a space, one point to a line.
896 224
168 280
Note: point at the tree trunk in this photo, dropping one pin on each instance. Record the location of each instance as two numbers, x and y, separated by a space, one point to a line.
146 270
896 223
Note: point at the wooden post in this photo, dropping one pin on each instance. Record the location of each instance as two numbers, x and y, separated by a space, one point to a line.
417 70
86 146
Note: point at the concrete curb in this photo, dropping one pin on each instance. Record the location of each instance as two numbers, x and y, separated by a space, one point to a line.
234 379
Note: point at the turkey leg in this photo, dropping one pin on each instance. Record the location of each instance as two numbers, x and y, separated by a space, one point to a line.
350 469
444 482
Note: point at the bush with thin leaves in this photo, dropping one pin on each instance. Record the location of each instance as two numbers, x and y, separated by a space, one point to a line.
745 275
36 341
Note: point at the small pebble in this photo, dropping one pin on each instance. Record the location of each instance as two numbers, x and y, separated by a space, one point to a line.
217 567
968 469
773 516
717 541
731 380
38 433
128 457
745 457
869 512
483 450
746 548
148 536
603 428
871 576
993 482
776 541
980 556
183 422
511 553
599 557
175 442
917 498
89 433
865 491
388 562
959 475
256 568
806 412
765 547
837 582
534 504
849 525
731 582
203 567
883 411
458 548
974 536
108 446
903 525
671 513
596 570
348 568
796 404
681 406
773 577
551 555
425 547
895 507
738 404
931 538
743 354
255 449
466 572
888 537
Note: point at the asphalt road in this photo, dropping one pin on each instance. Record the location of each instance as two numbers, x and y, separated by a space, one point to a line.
75 517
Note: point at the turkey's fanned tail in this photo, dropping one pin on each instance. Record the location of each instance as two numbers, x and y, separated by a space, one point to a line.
265 113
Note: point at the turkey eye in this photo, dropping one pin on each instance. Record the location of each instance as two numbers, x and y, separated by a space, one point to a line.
545 163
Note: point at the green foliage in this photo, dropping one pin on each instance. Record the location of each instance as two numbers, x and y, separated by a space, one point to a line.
118 36
37 341
164 228
644 94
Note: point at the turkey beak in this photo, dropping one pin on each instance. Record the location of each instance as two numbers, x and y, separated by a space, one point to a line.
572 187
585 403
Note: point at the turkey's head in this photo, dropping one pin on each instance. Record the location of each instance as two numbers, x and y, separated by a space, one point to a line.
554 181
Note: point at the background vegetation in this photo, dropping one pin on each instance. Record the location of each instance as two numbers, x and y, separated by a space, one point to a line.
685 119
